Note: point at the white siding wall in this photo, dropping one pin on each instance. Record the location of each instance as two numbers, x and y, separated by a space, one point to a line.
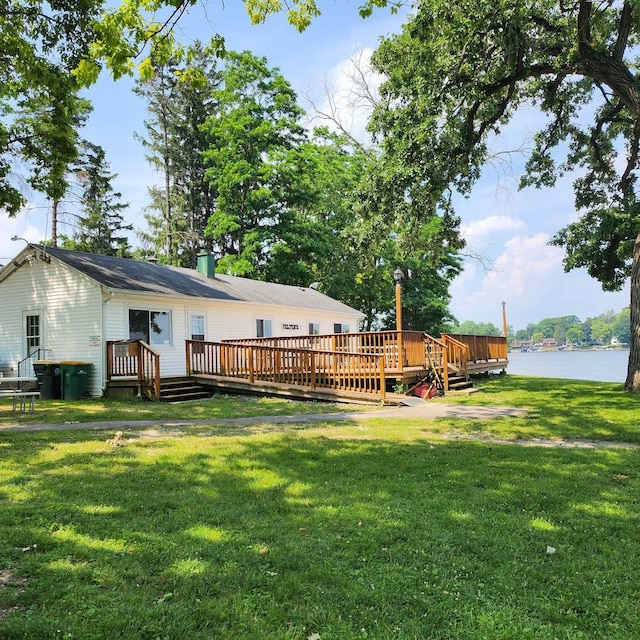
70 305
224 320
74 327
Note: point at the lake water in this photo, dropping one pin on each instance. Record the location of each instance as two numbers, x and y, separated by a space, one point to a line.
604 366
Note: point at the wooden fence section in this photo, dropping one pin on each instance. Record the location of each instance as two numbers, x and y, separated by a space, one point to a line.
482 349
382 343
306 367
135 359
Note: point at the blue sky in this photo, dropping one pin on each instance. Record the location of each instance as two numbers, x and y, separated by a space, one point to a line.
509 228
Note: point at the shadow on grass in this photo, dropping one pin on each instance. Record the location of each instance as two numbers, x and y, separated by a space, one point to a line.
283 537
567 409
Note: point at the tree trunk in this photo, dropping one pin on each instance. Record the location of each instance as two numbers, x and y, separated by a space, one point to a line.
632 383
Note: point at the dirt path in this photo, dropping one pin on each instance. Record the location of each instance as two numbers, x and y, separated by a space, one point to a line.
426 411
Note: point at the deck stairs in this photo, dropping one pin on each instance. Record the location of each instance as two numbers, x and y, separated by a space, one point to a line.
182 390
459 383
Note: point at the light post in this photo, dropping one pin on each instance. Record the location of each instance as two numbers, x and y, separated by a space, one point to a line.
398 276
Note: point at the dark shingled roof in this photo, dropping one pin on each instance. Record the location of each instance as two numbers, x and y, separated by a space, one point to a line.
121 274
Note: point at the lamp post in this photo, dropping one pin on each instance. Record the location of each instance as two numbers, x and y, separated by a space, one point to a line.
398 276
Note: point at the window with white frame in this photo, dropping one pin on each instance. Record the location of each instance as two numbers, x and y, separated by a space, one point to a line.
197 327
338 327
314 328
32 333
263 328
154 327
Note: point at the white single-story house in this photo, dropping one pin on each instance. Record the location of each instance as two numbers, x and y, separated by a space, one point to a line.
66 305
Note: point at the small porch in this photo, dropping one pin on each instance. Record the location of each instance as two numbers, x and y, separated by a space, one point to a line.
365 365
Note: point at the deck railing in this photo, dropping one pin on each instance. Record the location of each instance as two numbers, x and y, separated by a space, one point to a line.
135 359
482 348
307 367
381 343
345 361
458 354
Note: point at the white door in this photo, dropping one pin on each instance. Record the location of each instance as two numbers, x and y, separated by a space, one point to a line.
33 332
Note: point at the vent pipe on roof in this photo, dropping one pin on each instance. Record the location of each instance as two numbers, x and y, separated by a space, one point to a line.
206 264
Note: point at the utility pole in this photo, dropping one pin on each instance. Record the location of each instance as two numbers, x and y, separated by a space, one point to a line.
504 319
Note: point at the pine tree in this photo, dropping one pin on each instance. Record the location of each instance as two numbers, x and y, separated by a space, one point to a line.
100 226
179 99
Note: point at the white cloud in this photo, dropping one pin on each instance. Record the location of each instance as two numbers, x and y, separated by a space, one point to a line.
486 226
529 276
29 224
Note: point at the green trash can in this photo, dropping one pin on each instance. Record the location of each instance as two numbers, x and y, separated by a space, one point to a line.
49 379
75 379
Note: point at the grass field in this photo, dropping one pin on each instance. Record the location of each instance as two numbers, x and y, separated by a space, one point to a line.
380 529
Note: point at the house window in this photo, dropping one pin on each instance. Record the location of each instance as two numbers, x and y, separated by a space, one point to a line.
263 328
32 333
314 329
197 327
338 327
154 327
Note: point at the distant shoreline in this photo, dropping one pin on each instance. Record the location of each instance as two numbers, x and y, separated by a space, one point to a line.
573 349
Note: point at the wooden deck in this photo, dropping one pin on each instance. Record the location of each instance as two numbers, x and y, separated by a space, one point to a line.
365 365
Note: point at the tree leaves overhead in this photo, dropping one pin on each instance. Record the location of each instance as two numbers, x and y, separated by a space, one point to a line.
461 69
40 111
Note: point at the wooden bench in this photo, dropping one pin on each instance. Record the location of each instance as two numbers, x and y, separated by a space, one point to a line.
20 398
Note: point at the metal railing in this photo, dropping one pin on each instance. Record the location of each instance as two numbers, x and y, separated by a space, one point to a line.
25 366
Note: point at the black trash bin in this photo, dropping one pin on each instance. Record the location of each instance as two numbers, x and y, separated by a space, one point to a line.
49 379
75 379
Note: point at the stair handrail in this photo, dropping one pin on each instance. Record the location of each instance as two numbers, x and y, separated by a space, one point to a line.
457 352
30 359
138 360
149 368
437 355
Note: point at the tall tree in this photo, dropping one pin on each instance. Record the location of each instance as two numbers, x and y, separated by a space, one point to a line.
460 70
100 226
250 136
179 99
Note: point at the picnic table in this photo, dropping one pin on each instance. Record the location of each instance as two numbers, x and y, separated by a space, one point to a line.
16 388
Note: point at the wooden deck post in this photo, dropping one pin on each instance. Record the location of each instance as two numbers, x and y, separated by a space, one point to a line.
312 367
250 358
383 380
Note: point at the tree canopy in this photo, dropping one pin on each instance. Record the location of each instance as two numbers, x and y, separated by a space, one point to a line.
458 73
276 201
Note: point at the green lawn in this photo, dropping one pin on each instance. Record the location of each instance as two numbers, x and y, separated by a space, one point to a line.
219 406
383 529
